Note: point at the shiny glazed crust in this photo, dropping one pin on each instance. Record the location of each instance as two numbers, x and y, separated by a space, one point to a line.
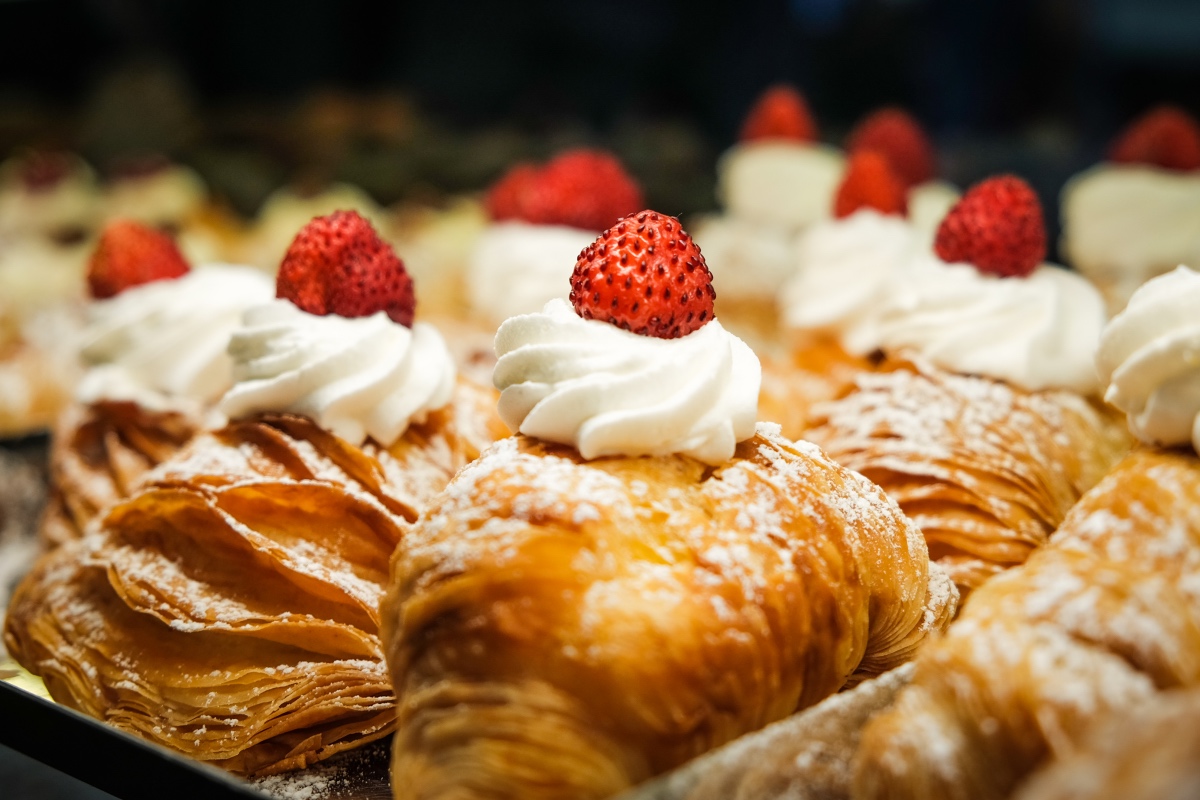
1095 622
986 471
561 628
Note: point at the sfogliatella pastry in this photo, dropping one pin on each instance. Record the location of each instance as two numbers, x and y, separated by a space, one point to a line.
641 574
153 345
1097 621
48 209
839 280
174 198
47 194
228 608
772 185
1137 214
985 424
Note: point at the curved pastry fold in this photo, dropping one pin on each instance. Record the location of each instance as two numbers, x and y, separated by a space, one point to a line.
98 452
1096 621
562 628
228 608
986 471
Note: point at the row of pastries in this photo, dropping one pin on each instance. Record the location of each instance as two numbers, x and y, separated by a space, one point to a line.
580 515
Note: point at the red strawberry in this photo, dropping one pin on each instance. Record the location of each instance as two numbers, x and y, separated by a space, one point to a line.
997 226
781 112
42 170
130 254
897 135
870 182
646 275
506 199
586 189
338 265
1166 137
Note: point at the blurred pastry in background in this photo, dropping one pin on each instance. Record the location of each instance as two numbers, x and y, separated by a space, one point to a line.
773 184
48 194
156 192
841 275
437 243
49 207
153 348
1137 214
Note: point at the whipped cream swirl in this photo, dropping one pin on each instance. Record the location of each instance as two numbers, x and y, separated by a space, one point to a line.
1125 223
780 183
1149 356
1037 332
366 376
607 391
845 271
164 342
517 267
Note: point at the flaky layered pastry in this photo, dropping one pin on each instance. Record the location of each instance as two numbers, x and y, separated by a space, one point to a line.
1096 621
35 389
987 471
98 451
228 608
1150 752
559 628
814 371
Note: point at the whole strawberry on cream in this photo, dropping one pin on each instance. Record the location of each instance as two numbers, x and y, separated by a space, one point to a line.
774 183
829 304
898 136
984 302
845 266
635 363
982 418
1137 214
156 330
339 344
542 216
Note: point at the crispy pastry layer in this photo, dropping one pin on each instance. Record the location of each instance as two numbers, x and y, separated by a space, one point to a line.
985 470
1096 621
558 628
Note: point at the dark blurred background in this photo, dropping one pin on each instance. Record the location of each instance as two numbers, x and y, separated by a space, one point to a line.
418 99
